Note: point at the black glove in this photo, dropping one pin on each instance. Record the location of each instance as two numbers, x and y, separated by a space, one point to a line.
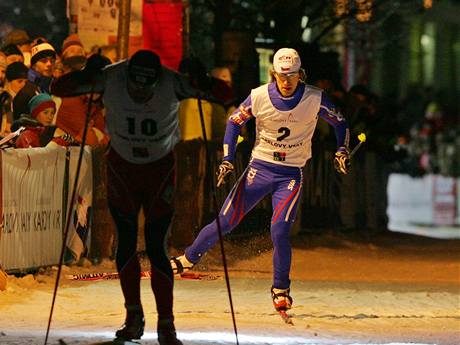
96 62
224 169
342 160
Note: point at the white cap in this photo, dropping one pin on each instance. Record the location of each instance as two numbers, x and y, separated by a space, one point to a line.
286 61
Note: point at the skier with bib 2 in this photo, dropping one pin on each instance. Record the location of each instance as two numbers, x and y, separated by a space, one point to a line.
286 112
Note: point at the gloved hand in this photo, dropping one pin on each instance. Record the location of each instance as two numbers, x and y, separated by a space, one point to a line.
96 62
342 160
224 169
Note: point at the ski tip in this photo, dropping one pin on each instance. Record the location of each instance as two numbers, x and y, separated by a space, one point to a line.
286 317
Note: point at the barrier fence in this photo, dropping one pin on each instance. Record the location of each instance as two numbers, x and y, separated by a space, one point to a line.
35 187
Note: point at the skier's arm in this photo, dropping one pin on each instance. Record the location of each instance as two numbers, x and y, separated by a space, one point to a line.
235 122
332 115
184 89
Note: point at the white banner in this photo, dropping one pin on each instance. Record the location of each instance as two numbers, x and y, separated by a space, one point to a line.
427 205
34 185
32 182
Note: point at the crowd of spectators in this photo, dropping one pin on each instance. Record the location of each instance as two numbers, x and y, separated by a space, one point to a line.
27 69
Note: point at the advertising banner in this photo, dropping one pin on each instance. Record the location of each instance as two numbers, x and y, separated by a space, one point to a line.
35 184
427 205
32 182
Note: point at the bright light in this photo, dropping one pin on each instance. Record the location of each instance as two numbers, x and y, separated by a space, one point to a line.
306 35
425 40
304 22
218 338
427 3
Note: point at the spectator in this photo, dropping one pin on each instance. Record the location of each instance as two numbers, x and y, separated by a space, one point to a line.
71 118
16 77
58 69
40 131
73 54
12 53
71 115
43 58
22 40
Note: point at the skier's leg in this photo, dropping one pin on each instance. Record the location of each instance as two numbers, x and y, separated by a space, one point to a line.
285 201
126 259
124 206
252 186
129 271
158 210
162 278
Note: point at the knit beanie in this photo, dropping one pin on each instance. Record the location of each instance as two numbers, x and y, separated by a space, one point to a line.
11 49
144 67
16 70
41 50
39 103
71 40
16 36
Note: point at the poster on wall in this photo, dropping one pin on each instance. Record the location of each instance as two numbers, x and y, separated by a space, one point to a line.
155 25
96 21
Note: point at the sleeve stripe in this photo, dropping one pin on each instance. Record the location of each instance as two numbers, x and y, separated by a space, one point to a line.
332 113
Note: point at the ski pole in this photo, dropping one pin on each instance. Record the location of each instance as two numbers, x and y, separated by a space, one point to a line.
219 228
362 139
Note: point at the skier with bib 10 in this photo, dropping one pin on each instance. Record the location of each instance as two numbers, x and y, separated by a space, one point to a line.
141 98
286 112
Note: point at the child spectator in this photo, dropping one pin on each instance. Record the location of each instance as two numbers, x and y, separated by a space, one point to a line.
40 131
16 76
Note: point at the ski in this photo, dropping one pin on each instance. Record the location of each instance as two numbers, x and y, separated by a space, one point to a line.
197 276
144 275
101 276
116 341
286 317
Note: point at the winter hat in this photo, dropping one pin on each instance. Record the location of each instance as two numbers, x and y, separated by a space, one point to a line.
17 37
144 67
39 103
11 49
40 51
16 70
286 61
71 40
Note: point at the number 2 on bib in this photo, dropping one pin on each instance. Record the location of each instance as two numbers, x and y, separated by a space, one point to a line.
286 132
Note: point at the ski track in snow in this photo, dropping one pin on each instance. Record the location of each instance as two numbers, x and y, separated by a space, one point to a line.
86 312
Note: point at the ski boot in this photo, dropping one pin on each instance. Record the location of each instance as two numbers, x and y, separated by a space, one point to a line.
281 299
282 302
167 333
180 264
133 327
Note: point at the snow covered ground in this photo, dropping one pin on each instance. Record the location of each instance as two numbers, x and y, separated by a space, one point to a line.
423 308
